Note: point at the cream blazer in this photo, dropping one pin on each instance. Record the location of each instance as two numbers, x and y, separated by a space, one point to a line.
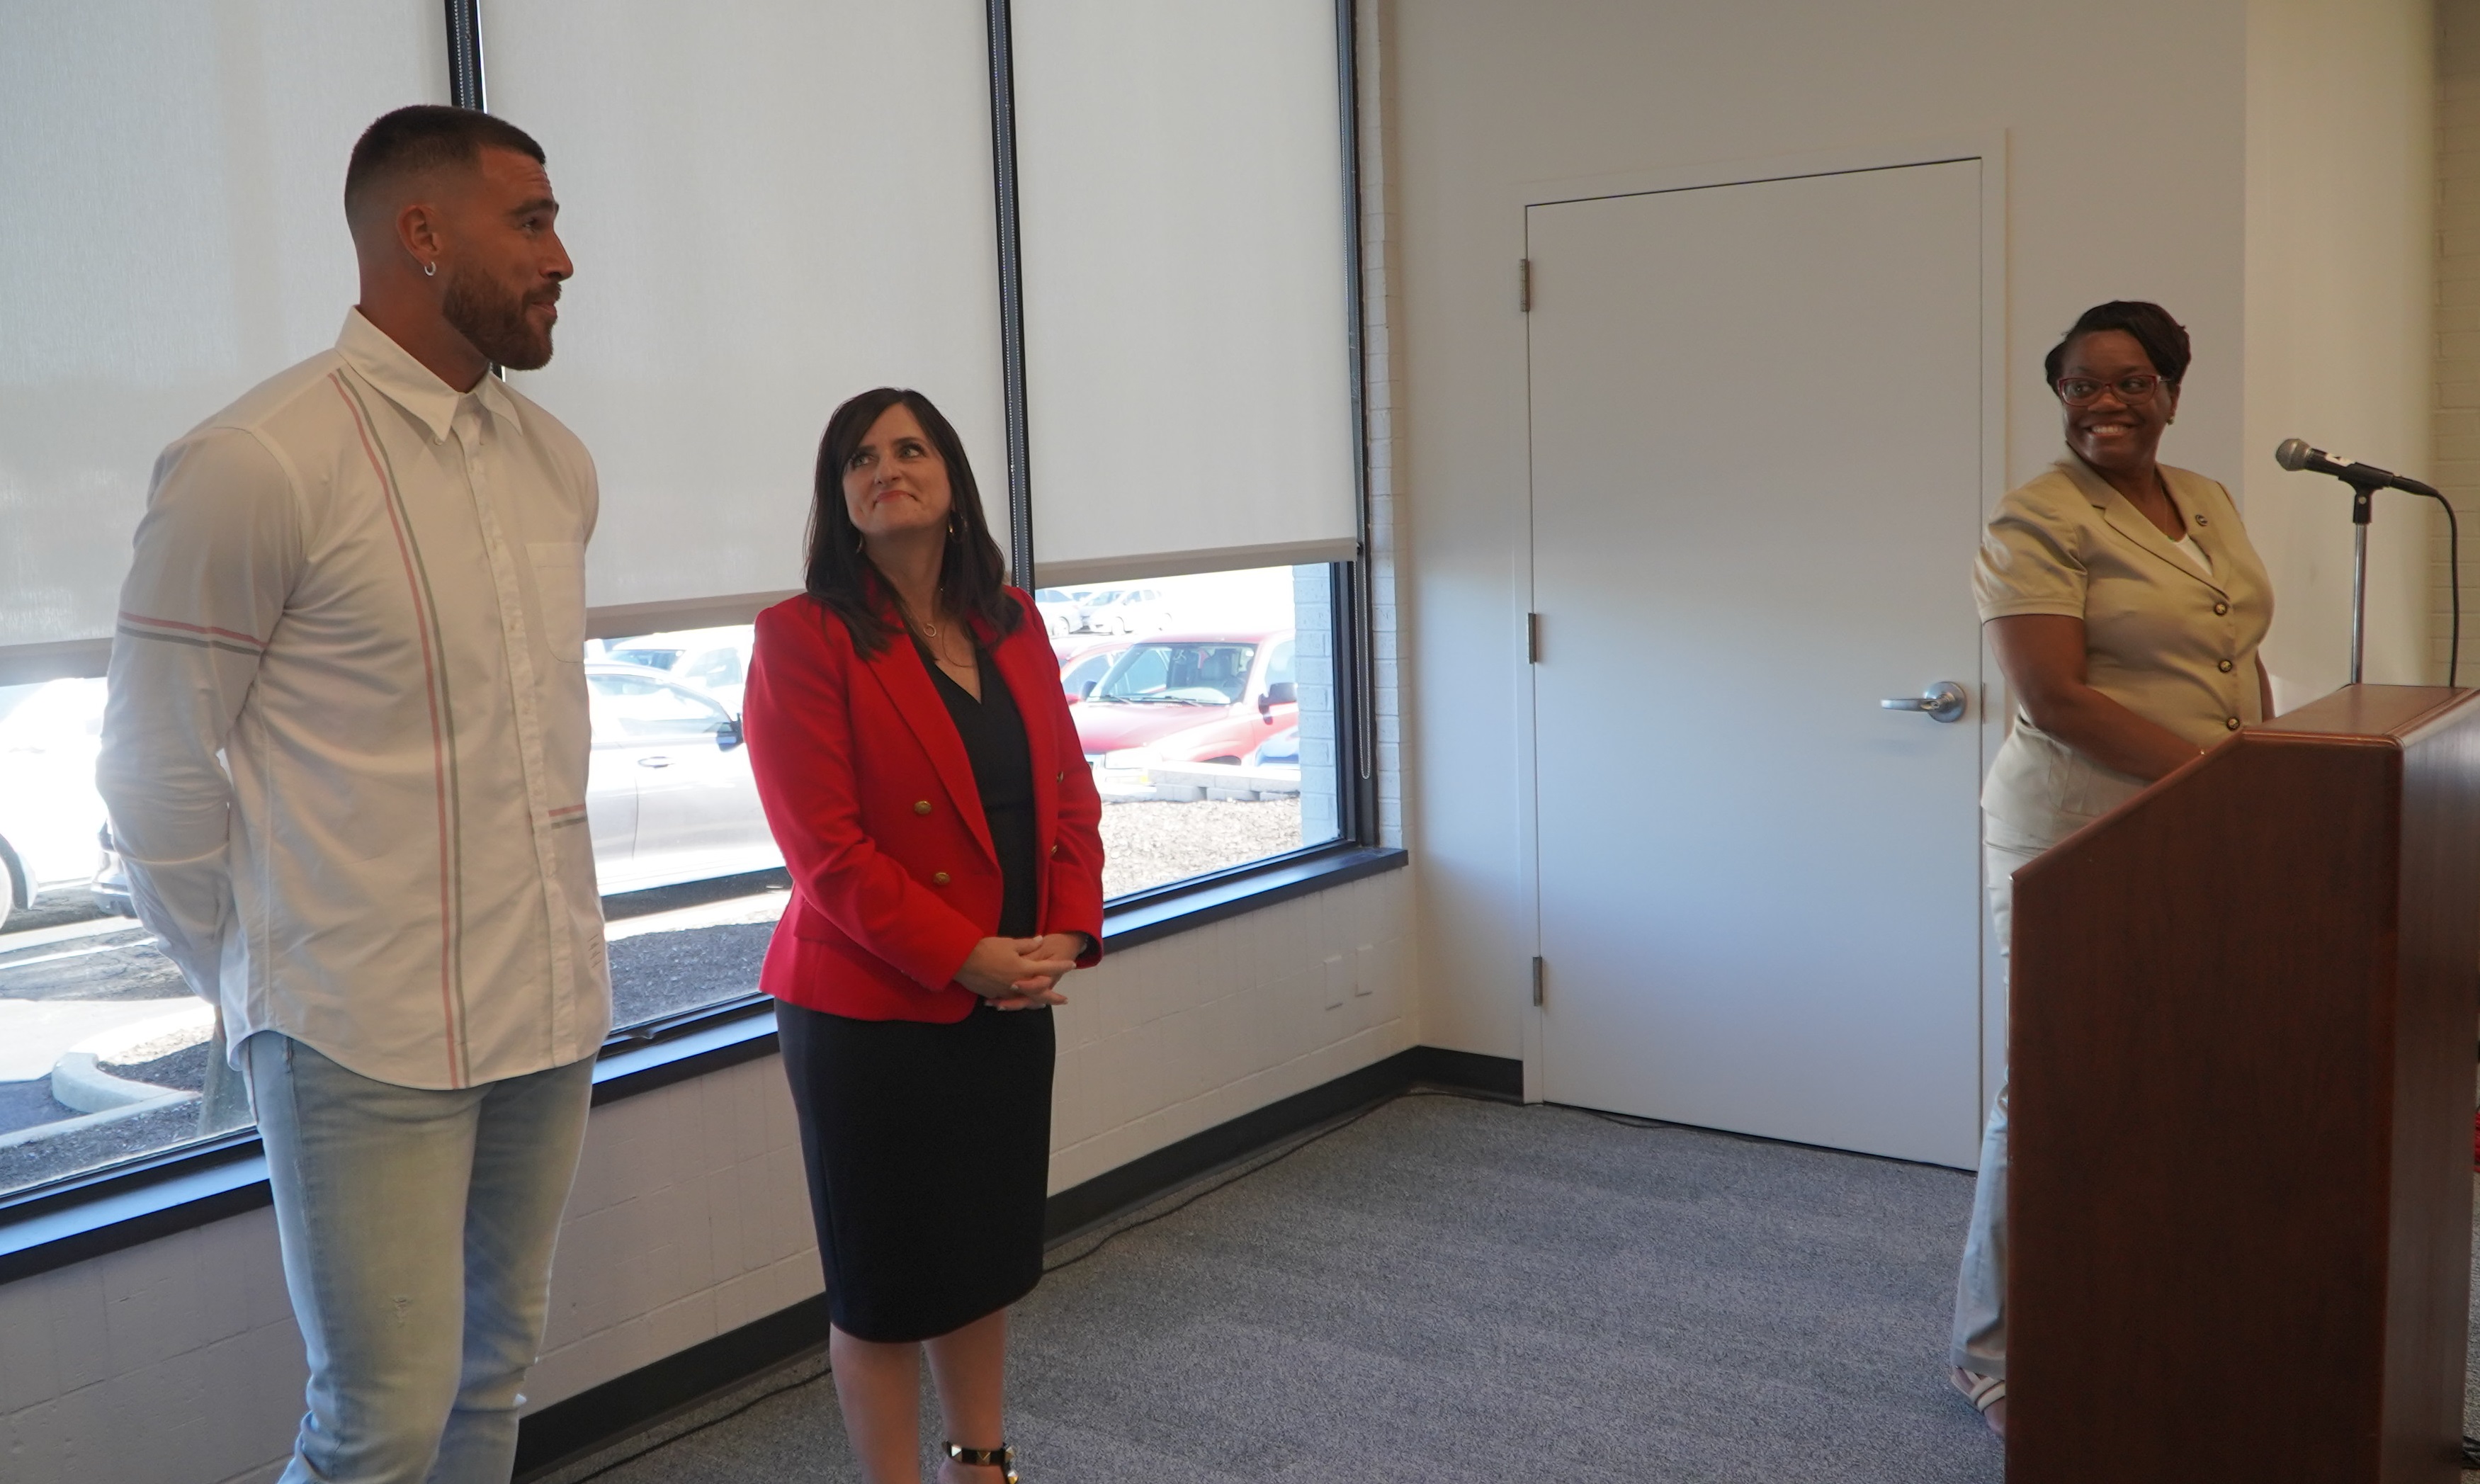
2161 639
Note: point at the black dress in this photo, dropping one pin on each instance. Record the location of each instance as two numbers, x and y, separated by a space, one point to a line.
929 1146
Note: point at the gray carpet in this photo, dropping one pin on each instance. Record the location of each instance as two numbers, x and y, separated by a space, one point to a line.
1451 1290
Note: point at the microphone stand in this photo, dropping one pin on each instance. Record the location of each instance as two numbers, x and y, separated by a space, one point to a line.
2365 480
2361 507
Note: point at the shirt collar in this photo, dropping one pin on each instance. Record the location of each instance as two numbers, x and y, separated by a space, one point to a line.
2086 478
409 383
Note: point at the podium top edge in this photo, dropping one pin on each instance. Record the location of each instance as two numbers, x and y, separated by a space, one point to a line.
2370 713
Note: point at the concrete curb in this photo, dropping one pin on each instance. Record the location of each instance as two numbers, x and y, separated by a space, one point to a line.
79 1081
40 1131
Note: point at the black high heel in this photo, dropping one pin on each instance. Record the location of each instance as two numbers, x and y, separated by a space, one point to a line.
1001 1457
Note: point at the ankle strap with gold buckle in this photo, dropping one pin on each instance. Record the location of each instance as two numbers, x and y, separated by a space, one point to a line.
1001 1457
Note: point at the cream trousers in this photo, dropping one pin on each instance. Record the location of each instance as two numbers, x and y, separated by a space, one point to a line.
1981 1287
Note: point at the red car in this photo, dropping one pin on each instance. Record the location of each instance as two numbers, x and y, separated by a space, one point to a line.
1207 698
1083 664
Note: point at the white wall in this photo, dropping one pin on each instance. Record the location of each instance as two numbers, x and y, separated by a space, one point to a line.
2128 143
2340 277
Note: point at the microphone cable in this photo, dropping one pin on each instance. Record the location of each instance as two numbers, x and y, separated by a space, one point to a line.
2454 599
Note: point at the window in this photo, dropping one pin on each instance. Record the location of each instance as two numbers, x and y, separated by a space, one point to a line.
1192 717
1183 279
173 236
1186 290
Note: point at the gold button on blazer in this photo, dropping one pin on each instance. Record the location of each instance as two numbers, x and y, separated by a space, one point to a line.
2166 641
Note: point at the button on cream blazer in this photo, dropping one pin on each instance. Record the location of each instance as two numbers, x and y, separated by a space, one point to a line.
2161 639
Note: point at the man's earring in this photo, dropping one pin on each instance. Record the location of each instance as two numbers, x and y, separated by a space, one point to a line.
431 270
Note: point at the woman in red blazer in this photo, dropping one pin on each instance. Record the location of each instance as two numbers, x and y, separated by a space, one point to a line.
923 775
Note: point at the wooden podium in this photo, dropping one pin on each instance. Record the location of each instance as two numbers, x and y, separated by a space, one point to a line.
2242 1073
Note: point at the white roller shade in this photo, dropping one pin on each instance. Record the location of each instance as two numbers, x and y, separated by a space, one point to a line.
771 206
171 232
1187 364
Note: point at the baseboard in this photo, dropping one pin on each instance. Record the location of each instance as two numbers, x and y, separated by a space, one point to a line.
653 1393
621 1408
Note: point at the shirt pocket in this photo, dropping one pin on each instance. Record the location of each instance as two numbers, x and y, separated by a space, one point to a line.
559 594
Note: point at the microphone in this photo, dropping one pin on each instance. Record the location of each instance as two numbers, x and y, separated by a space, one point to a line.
2295 456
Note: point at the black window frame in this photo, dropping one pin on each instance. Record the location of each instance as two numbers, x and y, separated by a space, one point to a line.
80 1216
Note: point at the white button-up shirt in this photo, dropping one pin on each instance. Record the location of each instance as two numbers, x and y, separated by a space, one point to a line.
345 749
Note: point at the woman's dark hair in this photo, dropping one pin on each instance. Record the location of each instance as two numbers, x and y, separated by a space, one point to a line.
2164 338
972 576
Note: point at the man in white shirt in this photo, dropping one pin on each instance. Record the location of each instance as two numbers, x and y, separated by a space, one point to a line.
346 757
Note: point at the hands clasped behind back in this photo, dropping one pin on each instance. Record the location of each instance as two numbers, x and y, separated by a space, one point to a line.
1020 973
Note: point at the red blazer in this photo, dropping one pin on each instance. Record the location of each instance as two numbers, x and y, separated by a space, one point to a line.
872 797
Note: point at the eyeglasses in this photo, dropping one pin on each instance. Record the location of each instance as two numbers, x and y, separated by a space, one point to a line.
2083 392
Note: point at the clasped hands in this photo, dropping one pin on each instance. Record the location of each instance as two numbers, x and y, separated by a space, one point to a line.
1020 973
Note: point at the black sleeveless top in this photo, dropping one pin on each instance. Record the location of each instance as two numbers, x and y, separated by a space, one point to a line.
992 730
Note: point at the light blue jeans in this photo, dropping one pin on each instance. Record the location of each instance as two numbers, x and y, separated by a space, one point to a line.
417 1228
1980 1342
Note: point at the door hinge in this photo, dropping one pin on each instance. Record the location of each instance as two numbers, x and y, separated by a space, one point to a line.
1524 285
1536 980
1532 638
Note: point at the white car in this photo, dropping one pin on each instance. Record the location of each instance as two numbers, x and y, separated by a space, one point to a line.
716 661
1061 613
1127 611
669 797
50 815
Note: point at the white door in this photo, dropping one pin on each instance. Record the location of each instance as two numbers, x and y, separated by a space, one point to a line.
1757 423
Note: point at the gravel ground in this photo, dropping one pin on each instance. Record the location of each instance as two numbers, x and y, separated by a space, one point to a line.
1146 844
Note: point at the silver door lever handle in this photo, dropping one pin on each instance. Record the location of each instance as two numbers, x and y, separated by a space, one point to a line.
1943 701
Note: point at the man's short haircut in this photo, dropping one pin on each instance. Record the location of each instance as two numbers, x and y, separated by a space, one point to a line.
425 136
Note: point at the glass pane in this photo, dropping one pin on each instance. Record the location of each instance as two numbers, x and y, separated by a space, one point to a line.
771 207
175 234
1181 172
692 882
173 177
1206 706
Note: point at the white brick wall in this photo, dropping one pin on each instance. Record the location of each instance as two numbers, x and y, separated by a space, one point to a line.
2458 321
177 1358
177 1361
1177 1036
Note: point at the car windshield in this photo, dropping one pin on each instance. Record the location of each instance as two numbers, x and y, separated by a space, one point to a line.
628 709
1199 672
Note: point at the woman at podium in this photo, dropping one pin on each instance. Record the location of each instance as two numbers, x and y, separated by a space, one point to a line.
2125 606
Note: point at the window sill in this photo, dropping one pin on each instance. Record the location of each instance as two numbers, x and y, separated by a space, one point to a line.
190 1186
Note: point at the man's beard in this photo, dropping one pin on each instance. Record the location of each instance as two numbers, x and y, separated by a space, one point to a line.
497 322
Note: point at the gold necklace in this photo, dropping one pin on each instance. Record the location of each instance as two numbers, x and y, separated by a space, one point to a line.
922 627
